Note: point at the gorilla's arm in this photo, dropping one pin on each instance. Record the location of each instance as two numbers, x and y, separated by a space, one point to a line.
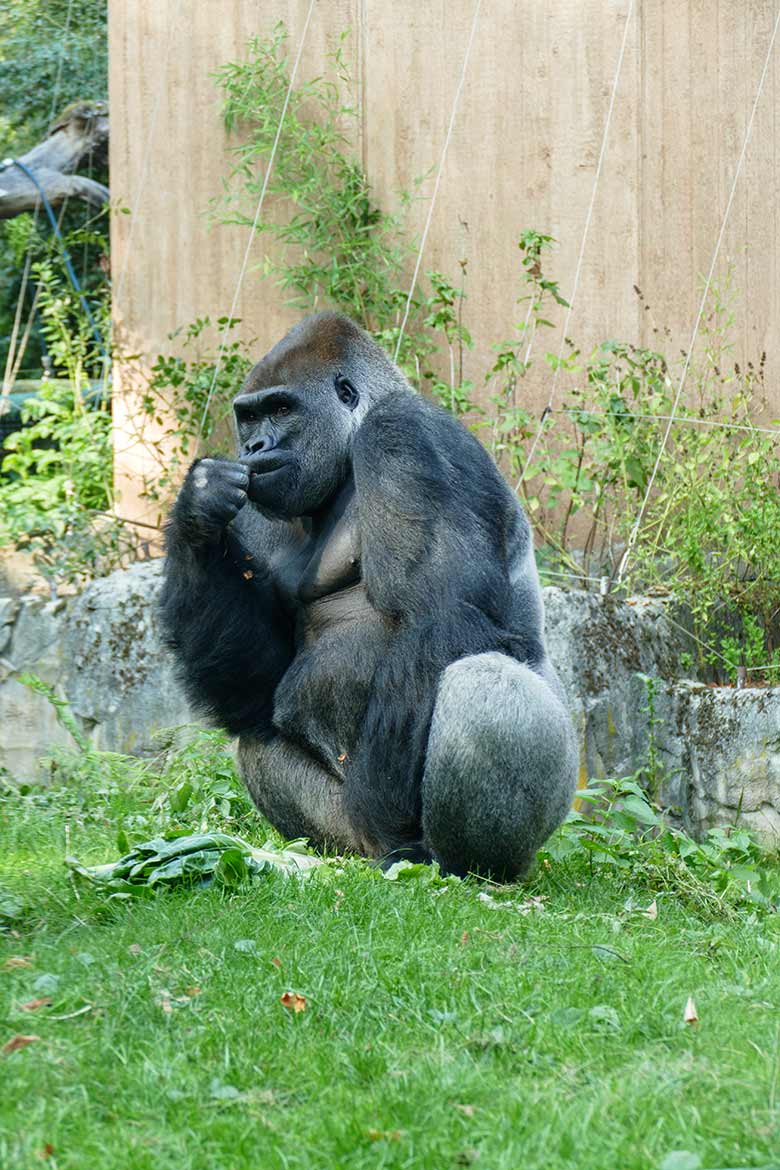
219 607
439 532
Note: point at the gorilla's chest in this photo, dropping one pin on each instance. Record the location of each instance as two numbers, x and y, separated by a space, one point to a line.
340 638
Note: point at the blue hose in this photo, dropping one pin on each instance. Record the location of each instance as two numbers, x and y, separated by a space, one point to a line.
74 280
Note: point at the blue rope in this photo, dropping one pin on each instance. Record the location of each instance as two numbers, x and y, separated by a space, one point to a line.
74 280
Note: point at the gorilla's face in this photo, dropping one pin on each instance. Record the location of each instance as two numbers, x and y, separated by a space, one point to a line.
295 416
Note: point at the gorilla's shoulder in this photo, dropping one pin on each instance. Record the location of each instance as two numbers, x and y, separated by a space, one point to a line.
411 423
410 444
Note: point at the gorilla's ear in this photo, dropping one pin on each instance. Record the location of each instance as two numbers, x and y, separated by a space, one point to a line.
346 392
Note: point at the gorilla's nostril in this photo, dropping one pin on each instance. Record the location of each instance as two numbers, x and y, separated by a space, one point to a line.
257 447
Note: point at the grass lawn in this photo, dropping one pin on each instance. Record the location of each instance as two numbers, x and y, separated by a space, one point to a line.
439 1029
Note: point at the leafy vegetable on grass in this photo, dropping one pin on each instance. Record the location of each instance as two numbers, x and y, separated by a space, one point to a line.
195 859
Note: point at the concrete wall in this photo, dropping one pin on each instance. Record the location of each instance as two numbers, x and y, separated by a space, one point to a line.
524 153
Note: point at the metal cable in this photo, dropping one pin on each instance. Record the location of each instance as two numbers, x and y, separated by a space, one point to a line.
635 528
242 273
432 203
588 218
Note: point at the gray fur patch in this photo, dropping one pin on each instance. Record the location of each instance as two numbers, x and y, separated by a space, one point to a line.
502 764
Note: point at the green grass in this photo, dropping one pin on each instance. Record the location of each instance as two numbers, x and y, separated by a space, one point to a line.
438 1030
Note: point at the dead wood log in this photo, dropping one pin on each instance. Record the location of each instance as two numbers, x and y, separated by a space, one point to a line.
81 130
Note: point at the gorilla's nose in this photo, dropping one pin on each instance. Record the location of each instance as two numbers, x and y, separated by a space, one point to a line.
258 446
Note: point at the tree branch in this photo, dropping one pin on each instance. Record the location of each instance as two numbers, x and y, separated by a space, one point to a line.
81 130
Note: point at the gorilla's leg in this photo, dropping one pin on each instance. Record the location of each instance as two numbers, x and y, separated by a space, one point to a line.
501 766
297 795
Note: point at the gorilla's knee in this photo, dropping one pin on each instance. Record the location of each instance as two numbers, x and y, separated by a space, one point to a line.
501 766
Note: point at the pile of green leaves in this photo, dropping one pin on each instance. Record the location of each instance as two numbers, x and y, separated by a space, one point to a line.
193 859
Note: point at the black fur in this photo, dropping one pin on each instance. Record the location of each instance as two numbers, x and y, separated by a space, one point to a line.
436 519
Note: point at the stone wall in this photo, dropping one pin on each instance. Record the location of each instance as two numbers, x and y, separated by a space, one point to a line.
102 651
719 748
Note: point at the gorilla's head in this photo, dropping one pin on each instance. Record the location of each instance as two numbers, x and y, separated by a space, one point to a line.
300 407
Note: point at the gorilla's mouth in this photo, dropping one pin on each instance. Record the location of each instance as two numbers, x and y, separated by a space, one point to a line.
265 463
269 478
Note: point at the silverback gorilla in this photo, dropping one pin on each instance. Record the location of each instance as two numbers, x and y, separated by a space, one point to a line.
356 597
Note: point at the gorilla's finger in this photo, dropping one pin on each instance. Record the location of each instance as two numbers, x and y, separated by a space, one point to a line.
238 475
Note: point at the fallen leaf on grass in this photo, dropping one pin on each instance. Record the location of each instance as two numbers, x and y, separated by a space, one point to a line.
467 1157
82 1011
16 962
652 911
385 1135
245 946
222 1092
681 1160
167 1001
690 1015
293 1002
134 949
464 938
11 906
466 1110
32 1005
533 904
276 963
17 1042
604 1018
46 984
46 1152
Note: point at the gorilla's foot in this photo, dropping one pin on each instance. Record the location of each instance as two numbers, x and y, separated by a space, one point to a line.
501 767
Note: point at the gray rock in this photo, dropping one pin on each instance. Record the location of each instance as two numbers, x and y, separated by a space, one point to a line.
119 679
603 650
36 635
9 607
730 760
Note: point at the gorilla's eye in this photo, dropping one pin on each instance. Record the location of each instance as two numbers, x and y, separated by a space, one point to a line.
346 392
281 410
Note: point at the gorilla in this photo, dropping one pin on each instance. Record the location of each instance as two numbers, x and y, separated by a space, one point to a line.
356 597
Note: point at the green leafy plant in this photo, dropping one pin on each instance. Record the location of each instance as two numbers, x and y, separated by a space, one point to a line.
444 314
622 828
56 489
188 399
200 785
510 425
705 536
334 246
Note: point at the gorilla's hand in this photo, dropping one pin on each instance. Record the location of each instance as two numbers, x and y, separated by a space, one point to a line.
212 495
